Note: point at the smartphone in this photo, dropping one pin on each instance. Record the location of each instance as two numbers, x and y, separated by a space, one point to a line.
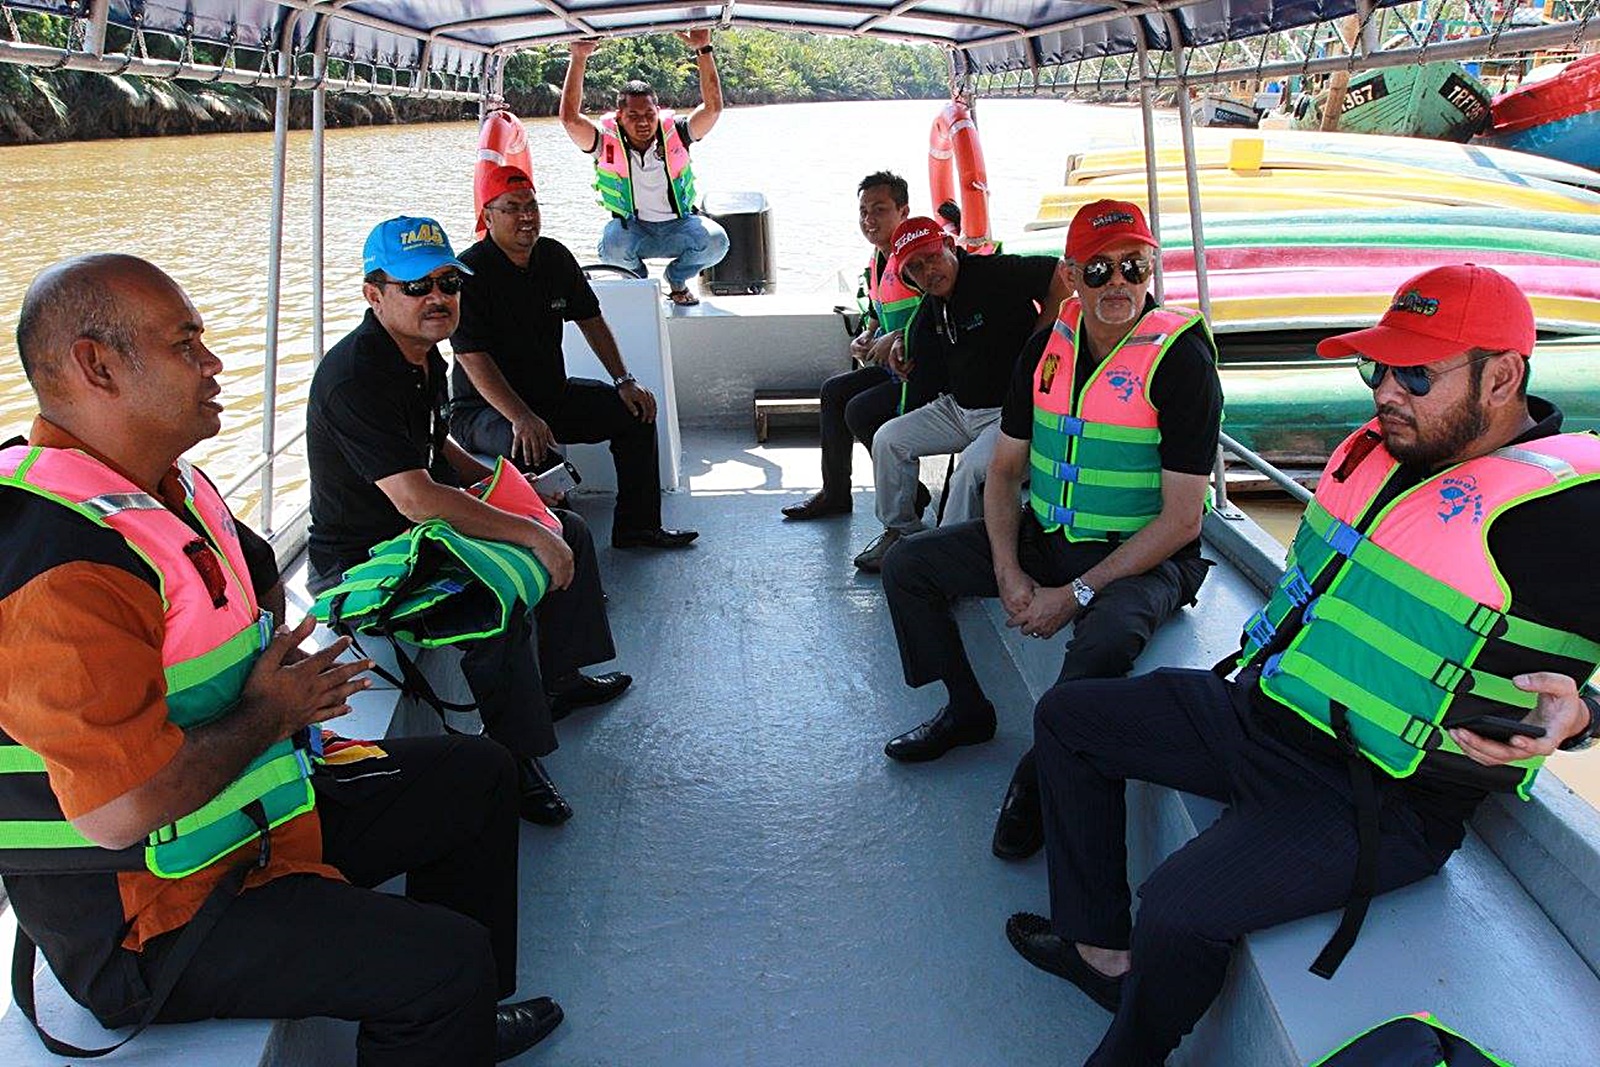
558 480
1496 728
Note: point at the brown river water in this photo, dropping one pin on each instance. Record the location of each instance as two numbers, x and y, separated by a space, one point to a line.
198 207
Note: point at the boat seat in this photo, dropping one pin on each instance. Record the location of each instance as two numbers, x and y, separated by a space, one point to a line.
1471 945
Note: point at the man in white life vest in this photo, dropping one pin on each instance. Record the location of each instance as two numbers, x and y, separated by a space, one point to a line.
643 173
1423 649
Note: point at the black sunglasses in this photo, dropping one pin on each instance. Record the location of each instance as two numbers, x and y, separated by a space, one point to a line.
1098 271
1415 380
449 284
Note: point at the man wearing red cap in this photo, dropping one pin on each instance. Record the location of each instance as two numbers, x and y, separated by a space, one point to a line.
1112 419
509 392
1424 649
975 314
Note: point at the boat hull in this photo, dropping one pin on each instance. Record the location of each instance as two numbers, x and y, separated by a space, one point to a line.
1438 100
1573 139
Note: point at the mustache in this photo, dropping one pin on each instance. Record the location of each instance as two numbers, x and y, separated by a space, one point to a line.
1389 411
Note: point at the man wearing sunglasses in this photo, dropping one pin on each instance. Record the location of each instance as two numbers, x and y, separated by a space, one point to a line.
510 394
959 347
1112 420
1424 649
381 461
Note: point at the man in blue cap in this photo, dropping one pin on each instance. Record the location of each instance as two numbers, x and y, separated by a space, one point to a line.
381 461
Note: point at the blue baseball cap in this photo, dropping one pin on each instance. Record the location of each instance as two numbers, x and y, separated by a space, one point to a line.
409 248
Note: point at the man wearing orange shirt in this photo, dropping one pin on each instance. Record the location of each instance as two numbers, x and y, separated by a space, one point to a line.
165 814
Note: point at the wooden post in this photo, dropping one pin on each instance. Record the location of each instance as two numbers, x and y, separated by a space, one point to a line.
1339 80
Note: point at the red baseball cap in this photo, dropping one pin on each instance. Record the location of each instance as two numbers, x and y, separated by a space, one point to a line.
1102 223
502 180
916 235
1442 312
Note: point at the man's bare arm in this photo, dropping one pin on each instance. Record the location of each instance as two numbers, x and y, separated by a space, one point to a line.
702 118
584 131
280 697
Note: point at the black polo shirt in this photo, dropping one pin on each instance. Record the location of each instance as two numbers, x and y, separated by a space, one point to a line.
371 414
515 314
973 338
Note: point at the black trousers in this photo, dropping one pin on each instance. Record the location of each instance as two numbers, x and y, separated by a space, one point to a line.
926 572
421 973
1284 848
507 673
854 405
586 412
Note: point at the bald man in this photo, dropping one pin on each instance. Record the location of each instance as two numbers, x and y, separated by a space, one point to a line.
161 766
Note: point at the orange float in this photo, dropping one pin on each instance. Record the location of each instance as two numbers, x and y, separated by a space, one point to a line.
954 154
502 141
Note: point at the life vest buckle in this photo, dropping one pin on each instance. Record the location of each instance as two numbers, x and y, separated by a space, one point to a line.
1070 425
1068 472
1260 629
1487 622
1343 538
1295 586
1062 516
1452 677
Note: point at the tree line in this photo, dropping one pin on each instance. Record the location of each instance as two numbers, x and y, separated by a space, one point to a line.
756 67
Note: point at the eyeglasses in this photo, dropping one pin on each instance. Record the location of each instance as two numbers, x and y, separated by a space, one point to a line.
1415 380
522 211
449 284
1098 271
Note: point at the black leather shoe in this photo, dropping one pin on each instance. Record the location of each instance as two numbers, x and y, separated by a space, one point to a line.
1019 832
817 506
660 537
924 498
579 690
1030 935
940 734
519 1027
541 802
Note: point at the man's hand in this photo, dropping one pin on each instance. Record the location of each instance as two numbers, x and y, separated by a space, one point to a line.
581 49
556 556
897 356
531 439
1048 611
1560 711
293 689
696 38
861 347
640 402
1016 592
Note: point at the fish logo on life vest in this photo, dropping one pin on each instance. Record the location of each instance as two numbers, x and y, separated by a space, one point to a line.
1456 495
1415 303
426 234
1047 376
1124 381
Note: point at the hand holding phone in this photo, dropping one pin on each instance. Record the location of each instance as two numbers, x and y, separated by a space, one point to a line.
1499 728
557 481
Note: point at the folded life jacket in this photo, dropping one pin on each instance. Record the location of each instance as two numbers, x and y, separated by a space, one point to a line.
433 585
1410 1041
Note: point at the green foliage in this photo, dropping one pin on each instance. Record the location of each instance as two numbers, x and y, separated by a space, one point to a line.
756 67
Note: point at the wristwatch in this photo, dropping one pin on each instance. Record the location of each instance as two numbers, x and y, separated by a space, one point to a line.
704 50
622 379
1589 735
1083 591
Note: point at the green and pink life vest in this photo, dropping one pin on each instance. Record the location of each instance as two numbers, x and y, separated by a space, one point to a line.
613 177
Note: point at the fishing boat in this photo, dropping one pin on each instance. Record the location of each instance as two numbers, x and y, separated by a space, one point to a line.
1214 110
743 883
1439 100
1557 115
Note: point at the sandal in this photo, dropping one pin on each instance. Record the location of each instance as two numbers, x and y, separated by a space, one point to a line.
683 298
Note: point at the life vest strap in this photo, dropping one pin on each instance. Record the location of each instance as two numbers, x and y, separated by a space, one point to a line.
1364 791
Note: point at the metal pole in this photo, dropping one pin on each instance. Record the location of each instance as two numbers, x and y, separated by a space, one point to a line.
1152 190
1190 175
94 34
269 369
319 125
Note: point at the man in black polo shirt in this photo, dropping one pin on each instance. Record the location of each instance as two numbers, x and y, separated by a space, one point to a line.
510 392
976 312
1124 359
381 461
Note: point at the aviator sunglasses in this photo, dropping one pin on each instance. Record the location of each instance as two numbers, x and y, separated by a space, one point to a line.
1098 271
1415 380
449 285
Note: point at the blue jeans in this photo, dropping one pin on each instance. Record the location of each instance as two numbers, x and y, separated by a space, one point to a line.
692 243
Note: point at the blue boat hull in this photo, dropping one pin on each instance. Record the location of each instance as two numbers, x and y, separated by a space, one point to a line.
1573 139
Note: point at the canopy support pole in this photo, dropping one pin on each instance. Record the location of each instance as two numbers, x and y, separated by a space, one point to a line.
1190 174
319 127
269 366
1152 186
94 33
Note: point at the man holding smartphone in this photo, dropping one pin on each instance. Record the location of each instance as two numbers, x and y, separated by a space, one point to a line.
510 394
1435 580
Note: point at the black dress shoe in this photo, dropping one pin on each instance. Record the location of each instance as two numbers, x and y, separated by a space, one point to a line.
660 537
924 498
1019 832
1030 935
817 506
541 802
519 1027
940 734
579 690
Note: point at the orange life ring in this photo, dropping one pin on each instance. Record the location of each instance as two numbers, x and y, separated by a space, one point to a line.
954 151
501 142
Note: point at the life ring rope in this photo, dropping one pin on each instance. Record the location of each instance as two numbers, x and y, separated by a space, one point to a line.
955 157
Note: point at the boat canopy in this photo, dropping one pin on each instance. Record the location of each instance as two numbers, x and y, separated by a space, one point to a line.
457 36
